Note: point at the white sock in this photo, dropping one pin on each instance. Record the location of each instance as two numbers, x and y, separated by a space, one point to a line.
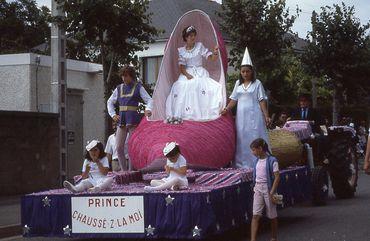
83 185
166 185
106 184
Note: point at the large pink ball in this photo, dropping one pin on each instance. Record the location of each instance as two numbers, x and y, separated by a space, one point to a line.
208 144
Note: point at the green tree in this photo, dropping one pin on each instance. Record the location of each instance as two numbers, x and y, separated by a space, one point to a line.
107 31
262 25
339 50
298 80
22 26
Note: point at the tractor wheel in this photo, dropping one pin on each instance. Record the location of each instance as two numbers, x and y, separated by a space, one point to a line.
343 166
320 185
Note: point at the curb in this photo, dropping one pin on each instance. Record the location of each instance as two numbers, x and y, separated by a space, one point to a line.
10 230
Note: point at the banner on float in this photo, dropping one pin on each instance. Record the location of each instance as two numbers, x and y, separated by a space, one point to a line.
108 214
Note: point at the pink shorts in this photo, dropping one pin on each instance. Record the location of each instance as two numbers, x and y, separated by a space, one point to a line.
261 199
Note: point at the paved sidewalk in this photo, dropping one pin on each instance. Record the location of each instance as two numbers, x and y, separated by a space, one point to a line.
10 216
10 210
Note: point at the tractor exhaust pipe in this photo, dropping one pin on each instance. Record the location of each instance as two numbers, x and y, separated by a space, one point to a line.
309 156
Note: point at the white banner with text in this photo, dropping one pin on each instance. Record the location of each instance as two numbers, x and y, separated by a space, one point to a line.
108 214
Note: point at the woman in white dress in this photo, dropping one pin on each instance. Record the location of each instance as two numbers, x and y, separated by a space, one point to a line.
252 114
194 96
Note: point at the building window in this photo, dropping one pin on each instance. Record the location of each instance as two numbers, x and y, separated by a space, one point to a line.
151 67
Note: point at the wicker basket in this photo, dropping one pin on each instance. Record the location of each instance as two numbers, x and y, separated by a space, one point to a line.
286 147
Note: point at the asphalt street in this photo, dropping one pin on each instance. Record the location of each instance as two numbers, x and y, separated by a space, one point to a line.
339 220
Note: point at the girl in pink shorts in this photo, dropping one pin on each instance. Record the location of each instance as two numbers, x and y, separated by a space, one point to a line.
266 180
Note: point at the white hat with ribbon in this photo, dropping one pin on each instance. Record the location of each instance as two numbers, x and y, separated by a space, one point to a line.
92 144
169 147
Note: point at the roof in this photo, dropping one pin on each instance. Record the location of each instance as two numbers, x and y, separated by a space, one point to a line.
166 13
298 43
41 47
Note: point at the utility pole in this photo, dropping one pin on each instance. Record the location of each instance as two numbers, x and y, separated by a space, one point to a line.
59 85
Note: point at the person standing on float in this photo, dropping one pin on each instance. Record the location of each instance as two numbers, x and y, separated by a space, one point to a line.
252 114
127 95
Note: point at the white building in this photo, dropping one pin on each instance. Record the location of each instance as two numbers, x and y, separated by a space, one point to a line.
25 86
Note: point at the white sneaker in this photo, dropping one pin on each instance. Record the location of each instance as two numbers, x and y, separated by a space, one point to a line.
175 188
69 186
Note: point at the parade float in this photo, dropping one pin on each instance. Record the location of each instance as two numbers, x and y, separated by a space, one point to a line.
218 198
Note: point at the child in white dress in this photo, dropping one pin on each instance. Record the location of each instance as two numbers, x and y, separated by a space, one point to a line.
175 167
94 170
194 96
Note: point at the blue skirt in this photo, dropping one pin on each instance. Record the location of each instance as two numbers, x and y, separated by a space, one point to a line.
129 117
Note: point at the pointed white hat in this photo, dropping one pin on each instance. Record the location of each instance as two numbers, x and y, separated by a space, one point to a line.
247 58
169 147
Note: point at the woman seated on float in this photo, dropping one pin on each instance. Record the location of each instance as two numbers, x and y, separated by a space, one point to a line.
194 96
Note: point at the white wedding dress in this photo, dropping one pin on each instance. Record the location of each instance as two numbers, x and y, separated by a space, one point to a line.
199 98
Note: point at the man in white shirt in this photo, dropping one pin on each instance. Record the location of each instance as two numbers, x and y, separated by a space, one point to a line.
111 150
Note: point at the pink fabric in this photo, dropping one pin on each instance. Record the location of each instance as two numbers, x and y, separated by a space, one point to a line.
235 176
225 177
302 129
261 199
208 144
199 186
169 70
